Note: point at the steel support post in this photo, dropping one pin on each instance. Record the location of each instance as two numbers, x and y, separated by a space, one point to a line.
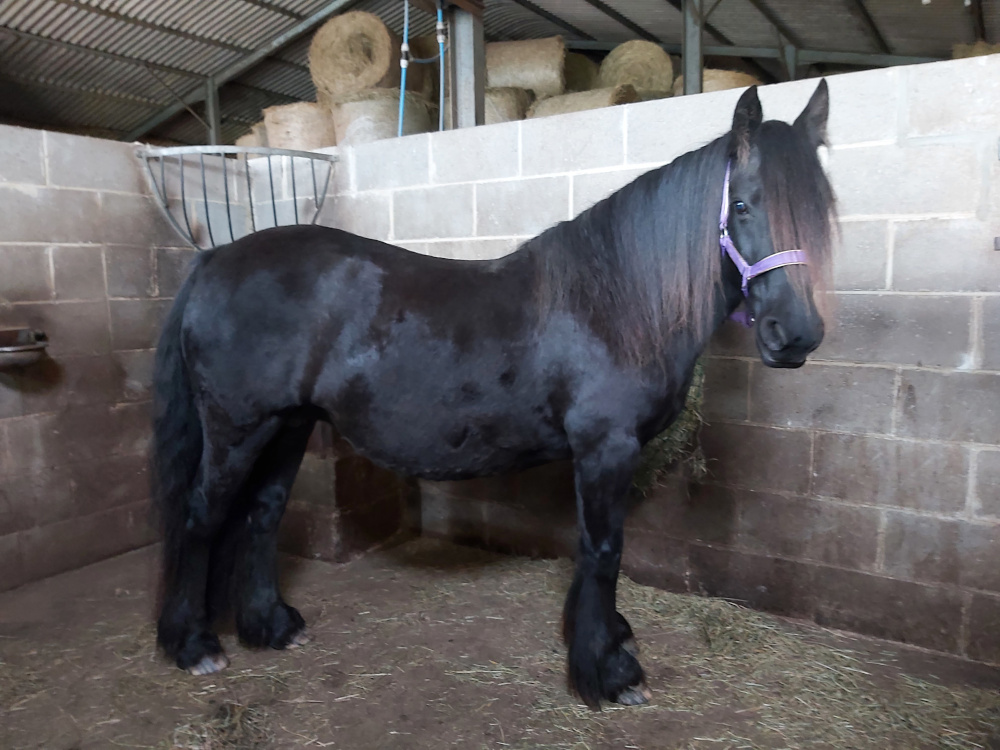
691 51
467 68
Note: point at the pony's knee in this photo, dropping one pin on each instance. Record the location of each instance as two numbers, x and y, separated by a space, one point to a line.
205 515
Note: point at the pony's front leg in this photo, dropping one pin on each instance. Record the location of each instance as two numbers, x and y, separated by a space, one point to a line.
602 663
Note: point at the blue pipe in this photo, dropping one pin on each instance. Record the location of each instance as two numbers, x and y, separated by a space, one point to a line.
440 40
404 62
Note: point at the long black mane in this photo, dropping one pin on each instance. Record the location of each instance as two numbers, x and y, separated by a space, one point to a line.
644 263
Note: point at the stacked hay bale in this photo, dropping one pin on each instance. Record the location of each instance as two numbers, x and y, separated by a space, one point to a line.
632 72
373 115
536 65
352 52
643 65
582 100
256 137
302 126
580 72
502 104
354 64
713 79
979 49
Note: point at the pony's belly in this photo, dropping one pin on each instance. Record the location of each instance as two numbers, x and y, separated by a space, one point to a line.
459 447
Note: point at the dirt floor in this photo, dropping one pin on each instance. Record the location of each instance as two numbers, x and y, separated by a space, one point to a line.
431 645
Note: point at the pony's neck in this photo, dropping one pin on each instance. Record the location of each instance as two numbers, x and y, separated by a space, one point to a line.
642 267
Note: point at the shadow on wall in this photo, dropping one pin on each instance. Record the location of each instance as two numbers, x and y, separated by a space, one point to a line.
343 506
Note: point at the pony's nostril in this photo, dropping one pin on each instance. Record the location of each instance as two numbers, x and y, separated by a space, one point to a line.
775 334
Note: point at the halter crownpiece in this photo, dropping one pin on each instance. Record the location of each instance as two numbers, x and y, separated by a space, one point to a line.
747 271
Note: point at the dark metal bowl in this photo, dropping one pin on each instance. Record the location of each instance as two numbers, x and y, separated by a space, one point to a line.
20 347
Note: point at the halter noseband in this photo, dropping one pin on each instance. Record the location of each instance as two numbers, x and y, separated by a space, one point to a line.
747 271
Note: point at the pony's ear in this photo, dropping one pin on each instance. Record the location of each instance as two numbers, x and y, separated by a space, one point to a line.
812 121
746 120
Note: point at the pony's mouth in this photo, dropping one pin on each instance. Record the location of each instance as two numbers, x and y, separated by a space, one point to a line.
790 362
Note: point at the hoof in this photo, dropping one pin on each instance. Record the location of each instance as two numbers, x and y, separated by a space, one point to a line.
636 695
278 626
209 664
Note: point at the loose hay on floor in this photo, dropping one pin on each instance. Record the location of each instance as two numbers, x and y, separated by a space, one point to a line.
807 693
431 645
232 727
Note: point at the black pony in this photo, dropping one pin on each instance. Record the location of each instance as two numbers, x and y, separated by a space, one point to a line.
579 345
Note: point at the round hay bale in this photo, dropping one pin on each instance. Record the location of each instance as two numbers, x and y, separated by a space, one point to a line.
373 115
504 104
352 52
260 128
648 95
534 64
642 64
248 139
719 80
303 126
581 72
960 51
558 105
507 104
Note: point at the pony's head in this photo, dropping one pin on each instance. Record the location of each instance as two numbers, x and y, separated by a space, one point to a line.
779 200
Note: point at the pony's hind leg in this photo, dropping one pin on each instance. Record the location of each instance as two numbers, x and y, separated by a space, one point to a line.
184 626
263 619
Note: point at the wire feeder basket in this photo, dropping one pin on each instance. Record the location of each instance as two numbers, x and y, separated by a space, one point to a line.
213 195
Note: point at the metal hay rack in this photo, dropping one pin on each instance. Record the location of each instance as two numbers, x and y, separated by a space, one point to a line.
213 195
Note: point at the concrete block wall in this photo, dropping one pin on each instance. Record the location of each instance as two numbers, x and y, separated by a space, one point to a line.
862 491
85 257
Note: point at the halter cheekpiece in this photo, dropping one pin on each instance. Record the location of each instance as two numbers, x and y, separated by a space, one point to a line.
747 271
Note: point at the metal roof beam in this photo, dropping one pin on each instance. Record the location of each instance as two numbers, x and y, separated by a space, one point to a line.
275 8
628 24
152 26
244 64
99 53
174 32
678 5
860 11
772 53
82 90
134 61
777 23
552 18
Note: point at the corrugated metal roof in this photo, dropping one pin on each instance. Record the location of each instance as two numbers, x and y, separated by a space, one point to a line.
106 66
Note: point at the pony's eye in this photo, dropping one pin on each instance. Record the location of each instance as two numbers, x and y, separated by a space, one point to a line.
740 207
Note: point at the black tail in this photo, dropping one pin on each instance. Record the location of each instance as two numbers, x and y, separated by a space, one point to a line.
177 433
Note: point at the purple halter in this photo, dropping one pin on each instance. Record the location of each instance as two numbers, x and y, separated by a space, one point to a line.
747 271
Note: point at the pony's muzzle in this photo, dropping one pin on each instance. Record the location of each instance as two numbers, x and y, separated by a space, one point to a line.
782 345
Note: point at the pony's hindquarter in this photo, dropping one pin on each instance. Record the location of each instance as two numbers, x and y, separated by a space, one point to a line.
219 504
